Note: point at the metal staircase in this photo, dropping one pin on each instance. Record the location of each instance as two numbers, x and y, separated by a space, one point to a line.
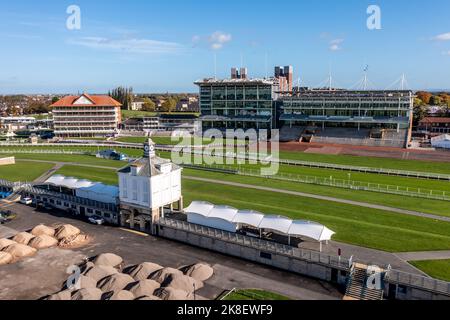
357 288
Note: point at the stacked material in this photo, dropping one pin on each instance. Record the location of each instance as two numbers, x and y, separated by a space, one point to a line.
102 280
26 244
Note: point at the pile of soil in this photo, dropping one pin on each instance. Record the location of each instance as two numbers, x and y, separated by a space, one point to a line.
66 231
86 283
115 282
122 295
142 271
5 243
172 294
5 258
43 242
19 251
61 296
108 259
143 288
74 241
87 294
199 271
161 275
98 273
182 282
23 238
43 230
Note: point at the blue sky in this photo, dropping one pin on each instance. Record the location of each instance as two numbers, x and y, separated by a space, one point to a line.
159 46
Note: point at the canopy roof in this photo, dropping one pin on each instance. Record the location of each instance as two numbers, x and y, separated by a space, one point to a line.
283 225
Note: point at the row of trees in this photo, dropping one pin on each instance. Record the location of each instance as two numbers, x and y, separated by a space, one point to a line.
123 95
168 105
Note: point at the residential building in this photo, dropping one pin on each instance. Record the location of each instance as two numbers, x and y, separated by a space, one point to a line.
434 125
86 116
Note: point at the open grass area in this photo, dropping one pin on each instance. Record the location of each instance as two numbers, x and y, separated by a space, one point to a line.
127 114
366 227
23 171
372 162
105 176
436 207
254 294
438 269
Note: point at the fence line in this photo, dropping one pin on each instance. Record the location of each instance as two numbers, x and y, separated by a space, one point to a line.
331 182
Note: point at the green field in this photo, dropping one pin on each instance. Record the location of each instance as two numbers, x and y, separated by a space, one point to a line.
127 114
436 207
366 227
105 176
254 294
23 171
438 269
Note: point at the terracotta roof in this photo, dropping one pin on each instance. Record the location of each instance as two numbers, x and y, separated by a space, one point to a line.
97 101
435 120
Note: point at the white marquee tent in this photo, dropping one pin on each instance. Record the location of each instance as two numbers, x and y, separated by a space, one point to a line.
230 219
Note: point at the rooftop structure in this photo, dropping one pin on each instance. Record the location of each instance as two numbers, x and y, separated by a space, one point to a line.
86 116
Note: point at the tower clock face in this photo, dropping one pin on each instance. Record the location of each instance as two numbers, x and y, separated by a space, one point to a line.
147 148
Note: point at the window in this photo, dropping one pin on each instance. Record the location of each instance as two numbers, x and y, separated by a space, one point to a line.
135 190
90 211
145 192
107 215
124 187
58 203
66 204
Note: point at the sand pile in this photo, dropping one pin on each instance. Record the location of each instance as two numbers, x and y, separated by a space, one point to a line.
86 283
74 241
122 295
172 294
87 294
5 258
23 238
19 251
43 230
66 231
143 288
43 242
199 271
115 282
98 273
61 296
160 275
148 298
142 271
5 243
182 282
108 259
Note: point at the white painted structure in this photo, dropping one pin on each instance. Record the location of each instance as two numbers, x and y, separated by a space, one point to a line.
231 220
442 142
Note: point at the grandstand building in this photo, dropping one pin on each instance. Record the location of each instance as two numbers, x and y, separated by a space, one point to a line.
86 116
355 117
239 102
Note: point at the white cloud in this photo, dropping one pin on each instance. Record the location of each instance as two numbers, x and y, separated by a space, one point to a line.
140 46
335 45
218 39
442 37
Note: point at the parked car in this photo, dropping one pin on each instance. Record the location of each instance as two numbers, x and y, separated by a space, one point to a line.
96 220
26 201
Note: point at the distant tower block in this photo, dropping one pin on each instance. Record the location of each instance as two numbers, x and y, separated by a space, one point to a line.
285 75
147 186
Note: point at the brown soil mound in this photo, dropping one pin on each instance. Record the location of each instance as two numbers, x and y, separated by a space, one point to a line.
5 258
23 238
86 283
115 282
108 259
160 275
199 271
149 298
43 242
66 231
87 294
5 243
172 294
143 288
142 271
43 230
122 295
182 282
19 251
74 241
61 296
98 273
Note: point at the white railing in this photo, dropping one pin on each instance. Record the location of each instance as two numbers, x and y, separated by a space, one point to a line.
430 284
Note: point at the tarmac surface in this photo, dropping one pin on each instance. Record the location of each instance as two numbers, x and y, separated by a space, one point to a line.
44 274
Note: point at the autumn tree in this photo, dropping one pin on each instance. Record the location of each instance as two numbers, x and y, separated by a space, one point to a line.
148 105
169 105
424 96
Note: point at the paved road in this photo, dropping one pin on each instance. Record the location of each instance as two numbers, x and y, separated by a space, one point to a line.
318 197
423 256
137 248
44 177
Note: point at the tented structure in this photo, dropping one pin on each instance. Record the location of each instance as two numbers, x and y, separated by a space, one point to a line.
441 142
231 219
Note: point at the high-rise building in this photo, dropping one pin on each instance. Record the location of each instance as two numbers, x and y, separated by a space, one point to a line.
86 116
286 77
